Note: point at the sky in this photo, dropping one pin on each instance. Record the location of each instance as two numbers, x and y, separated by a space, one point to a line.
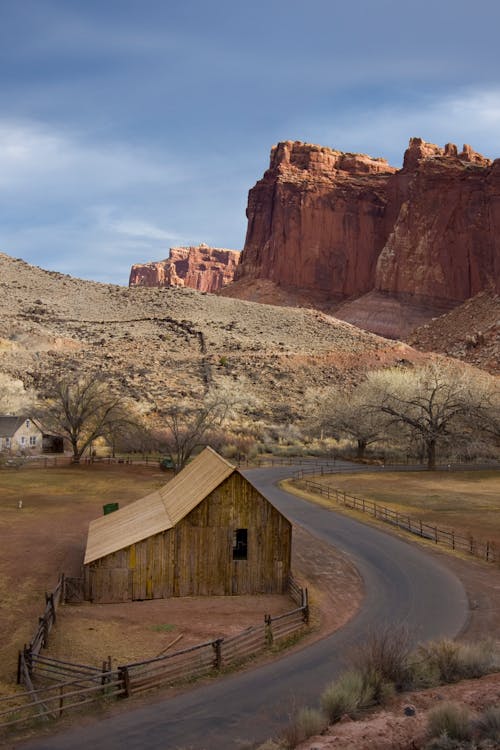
131 126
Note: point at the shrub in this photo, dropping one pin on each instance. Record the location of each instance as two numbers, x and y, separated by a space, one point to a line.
451 720
308 722
384 658
476 659
455 661
487 726
422 673
344 696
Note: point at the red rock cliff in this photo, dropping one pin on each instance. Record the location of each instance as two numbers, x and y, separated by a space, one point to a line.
205 268
345 224
316 220
445 242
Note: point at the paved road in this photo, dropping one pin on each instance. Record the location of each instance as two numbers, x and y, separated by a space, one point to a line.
402 585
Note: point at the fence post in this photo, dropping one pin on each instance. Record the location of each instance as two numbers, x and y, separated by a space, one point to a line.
217 647
62 595
305 604
28 660
268 626
124 677
487 551
19 666
61 700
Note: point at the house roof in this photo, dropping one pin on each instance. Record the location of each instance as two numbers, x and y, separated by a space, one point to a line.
160 510
9 425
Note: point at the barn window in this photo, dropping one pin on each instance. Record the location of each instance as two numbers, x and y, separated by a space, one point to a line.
240 544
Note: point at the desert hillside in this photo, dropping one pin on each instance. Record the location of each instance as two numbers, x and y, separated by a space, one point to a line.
162 344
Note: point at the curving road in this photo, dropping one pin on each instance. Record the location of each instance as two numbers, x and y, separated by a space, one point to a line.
402 584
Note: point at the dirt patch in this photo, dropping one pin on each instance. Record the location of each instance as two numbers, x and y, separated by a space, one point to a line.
392 729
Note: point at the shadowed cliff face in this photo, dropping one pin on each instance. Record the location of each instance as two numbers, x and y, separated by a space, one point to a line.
343 225
204 268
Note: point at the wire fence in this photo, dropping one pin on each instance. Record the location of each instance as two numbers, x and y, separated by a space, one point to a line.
448 537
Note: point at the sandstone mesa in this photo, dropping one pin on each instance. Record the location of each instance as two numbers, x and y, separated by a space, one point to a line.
204 268
419 240
383 248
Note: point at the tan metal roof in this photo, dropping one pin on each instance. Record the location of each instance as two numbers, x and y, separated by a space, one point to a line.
160 510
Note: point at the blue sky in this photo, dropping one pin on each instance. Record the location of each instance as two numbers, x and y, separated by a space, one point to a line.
129 126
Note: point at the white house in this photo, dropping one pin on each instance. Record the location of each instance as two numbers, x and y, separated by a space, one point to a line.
20 434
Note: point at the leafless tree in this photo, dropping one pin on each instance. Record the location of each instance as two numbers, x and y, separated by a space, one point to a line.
185 427
82 410
349 414
435 404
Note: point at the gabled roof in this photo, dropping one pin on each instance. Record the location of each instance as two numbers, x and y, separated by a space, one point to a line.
9 425
160 510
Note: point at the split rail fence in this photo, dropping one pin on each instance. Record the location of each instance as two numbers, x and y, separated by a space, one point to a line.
448 537
75 685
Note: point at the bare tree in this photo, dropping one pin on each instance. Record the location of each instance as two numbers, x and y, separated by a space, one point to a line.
435 404
350 414
185 427
82 410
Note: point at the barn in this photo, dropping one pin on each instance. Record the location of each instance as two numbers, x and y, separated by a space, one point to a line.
208 531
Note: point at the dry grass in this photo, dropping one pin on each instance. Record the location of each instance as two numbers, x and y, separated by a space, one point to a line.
48 536
466 501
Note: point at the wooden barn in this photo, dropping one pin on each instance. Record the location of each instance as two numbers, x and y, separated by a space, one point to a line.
208 531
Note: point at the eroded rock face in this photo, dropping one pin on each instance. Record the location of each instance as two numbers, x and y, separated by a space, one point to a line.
346 224
204 268
445 242
316 220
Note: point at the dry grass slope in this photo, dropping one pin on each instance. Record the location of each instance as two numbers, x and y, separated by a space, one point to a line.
159 344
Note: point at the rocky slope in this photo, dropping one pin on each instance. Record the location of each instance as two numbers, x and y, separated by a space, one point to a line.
331 226
204 268
159 345
470 332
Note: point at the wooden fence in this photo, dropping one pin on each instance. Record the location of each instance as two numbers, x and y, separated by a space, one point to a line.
448 537
76 685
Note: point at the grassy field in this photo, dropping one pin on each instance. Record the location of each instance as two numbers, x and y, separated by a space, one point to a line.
466 501
48 536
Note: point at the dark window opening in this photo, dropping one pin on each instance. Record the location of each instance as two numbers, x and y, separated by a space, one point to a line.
240 544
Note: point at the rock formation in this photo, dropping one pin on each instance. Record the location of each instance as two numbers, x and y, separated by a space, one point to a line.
338 226
205 268
316 220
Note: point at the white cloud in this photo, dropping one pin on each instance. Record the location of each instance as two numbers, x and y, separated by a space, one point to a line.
35 157
135 228
466 116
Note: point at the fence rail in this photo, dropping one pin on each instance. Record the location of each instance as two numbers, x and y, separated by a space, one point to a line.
448 537
75 685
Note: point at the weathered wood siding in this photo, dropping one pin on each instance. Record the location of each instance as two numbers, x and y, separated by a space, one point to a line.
196 556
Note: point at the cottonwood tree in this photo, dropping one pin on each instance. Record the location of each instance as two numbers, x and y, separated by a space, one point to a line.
434 405
82 410
186 427
351 415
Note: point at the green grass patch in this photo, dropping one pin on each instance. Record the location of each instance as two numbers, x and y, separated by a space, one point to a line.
166 628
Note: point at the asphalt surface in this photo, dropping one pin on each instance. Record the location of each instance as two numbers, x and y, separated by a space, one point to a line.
403 585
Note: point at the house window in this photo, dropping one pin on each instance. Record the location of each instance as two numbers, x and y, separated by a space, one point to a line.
7 442
23 440
32 441
240 544
28 424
